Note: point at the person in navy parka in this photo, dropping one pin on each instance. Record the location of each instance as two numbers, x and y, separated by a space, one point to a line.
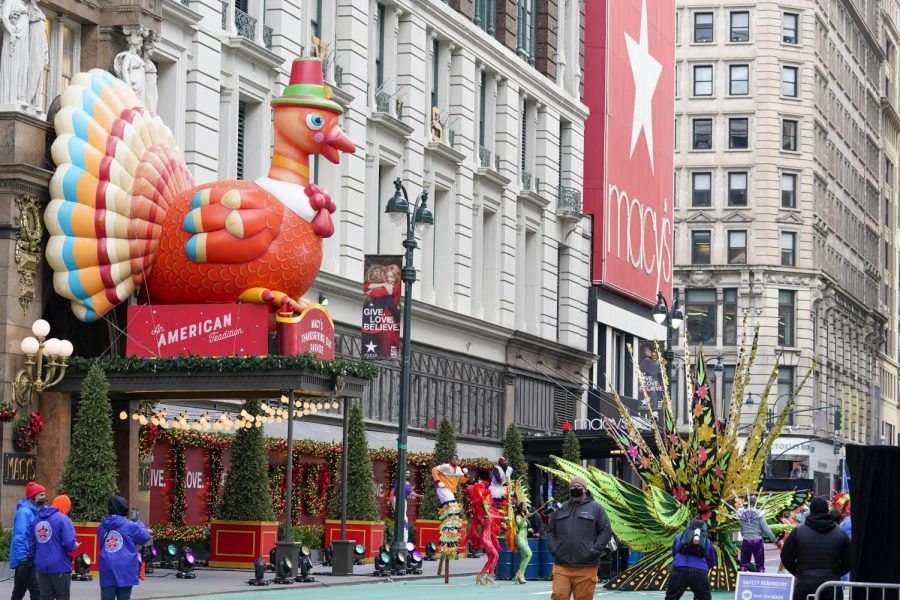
53 537
119 558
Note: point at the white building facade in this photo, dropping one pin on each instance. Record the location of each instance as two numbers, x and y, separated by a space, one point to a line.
503 277
786 211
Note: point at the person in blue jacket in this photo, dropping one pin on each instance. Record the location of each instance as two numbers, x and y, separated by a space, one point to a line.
119 561
21 551
693 556
53 536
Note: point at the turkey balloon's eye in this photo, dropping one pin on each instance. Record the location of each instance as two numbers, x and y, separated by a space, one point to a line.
315 121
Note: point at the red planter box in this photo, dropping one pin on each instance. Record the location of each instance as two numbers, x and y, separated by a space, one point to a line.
86 535
368 533
428 531
236 544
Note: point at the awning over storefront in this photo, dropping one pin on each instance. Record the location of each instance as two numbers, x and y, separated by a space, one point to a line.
594 445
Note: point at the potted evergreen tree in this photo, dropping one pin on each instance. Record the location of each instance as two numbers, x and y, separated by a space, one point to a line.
89 474
428 526
246 528
571 451
515 453
363 525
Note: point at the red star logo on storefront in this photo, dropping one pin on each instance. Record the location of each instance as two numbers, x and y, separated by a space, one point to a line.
566 426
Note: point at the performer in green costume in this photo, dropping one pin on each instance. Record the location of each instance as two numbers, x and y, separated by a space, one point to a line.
522 540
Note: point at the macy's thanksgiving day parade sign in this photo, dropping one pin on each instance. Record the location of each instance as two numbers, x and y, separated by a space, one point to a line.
125 217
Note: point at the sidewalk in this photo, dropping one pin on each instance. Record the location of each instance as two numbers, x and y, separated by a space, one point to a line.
163 583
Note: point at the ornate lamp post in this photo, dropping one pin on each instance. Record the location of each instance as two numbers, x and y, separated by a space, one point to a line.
45 363
418 220
673 320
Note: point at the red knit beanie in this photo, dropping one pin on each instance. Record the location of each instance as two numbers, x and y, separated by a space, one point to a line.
33 489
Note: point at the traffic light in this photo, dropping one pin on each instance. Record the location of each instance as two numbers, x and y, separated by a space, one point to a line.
837 418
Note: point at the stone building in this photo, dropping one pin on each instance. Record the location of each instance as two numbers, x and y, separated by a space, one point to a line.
476 102
786 210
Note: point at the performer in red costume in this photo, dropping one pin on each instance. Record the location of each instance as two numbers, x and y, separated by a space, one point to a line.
486 524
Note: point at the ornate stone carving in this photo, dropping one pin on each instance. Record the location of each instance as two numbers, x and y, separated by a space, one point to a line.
151 95
130 66
788 280
14 58
28 246
704 277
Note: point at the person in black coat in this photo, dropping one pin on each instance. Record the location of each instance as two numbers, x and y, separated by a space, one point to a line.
816 552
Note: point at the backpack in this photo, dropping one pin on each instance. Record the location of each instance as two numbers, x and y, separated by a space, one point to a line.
685 545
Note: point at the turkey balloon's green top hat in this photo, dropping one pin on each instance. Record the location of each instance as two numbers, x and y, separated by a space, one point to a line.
306 87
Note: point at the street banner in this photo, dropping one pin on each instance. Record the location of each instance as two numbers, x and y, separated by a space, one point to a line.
629 144
764 586
381 307
159 330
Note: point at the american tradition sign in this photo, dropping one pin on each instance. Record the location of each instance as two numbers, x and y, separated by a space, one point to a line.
206 329
629 88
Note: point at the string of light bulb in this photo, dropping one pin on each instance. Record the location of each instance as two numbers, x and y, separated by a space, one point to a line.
224 422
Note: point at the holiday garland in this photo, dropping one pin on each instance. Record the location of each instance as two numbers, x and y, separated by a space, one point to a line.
7 412
313 482
314 493
230 364
180 533
26 432
147 437
177 468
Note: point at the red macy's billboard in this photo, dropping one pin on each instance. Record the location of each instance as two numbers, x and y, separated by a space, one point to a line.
630 90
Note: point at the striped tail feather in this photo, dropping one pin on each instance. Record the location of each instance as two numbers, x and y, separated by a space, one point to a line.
118 171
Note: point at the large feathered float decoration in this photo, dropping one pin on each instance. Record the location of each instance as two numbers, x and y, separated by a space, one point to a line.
697 475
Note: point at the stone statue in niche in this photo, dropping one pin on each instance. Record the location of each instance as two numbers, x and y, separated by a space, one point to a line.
38 52
14 52
151 95
129 65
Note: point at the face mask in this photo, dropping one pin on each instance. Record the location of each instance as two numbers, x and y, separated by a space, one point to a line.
576 492
697 536
41 502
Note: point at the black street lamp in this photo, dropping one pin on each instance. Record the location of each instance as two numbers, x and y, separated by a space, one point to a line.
673 320
418 220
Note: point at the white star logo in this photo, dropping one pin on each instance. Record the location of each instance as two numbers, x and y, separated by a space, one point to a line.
370 347
645 70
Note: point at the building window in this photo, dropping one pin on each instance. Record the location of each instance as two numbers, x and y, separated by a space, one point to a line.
703 84
703 27
315 21
379 54
676 133
789 190
785 318
700 247
789 30
677 81
242 117
739 80
789 135
737 247
435 72
737 133
729 318
727 390
737 188
888 172
701 190
482 107
485 11
788 248
527 29
789 81
740 26
702 134
700 316
785 391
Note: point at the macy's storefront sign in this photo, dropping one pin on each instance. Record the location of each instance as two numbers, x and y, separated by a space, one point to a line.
598 424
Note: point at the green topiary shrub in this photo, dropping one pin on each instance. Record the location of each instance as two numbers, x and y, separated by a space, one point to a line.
89 475
515 454
571 451
246 496
444 449
361 503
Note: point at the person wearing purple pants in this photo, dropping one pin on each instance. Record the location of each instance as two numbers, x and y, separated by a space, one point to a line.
753 529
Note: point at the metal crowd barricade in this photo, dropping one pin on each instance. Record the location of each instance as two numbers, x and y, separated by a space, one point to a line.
856 590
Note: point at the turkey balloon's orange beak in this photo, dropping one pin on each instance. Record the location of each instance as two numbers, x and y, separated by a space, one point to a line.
336 141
